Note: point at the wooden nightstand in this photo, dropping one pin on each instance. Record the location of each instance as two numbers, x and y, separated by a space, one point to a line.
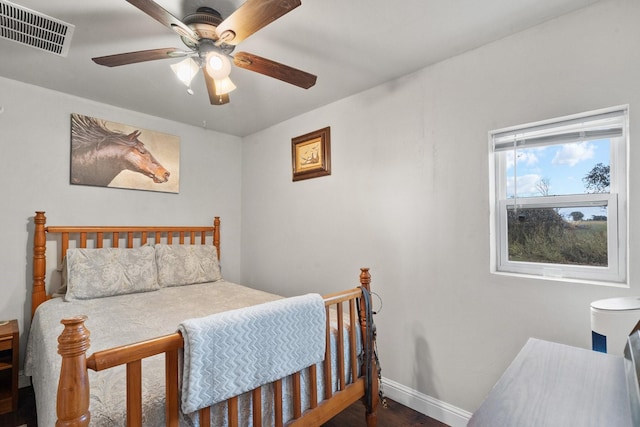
9 359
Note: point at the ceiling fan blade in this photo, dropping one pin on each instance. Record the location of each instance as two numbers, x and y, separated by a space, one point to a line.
161 15
274 69
139 56
252 16
211 88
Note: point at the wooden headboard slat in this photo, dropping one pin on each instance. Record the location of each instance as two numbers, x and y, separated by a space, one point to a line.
99 236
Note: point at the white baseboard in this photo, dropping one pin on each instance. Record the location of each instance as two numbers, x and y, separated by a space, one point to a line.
23 381
431 407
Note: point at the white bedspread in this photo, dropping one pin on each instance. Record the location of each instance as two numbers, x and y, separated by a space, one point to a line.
124 319
229 353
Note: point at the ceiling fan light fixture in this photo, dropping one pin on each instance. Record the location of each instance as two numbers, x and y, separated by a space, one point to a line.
218 65
185 70
209 38
224 86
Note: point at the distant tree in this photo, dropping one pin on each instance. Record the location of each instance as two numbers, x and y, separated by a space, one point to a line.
576 215
597 180
598 217
543 186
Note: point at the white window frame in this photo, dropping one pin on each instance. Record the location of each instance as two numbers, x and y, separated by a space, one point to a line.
615 273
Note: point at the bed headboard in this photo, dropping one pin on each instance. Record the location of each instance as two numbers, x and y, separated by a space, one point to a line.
107 236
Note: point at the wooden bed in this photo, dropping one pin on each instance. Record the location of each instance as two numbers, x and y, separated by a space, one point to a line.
73 393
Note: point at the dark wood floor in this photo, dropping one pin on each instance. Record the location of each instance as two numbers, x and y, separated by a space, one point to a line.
392 416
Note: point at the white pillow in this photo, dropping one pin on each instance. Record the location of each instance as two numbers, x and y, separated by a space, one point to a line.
96 273
187 264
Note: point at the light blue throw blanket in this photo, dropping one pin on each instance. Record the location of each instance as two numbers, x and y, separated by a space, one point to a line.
233 352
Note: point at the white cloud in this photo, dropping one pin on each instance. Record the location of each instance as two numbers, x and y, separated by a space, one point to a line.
527 185
528 157
525 157
574 153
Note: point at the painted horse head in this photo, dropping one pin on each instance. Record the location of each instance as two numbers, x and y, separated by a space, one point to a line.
142 160
99 154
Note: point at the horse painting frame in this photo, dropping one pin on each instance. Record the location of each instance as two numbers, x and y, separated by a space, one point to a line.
116 155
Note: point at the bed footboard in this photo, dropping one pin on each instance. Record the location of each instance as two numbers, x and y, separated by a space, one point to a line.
73 388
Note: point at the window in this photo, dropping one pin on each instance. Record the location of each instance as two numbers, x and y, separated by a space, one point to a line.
560 196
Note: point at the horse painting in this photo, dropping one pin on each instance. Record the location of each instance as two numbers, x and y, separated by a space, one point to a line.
99 154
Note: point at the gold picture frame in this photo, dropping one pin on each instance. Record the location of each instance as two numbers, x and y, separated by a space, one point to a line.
311 154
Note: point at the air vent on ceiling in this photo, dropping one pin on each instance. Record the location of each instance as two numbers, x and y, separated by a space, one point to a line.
34 29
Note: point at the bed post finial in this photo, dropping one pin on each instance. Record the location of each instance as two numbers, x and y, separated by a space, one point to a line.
365 278
38 291
72 405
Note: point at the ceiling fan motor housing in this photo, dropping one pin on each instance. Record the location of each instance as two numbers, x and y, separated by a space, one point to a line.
204 22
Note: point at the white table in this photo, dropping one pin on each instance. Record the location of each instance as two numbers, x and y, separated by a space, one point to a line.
556 385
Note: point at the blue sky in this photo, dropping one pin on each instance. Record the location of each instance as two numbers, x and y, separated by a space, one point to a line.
563 166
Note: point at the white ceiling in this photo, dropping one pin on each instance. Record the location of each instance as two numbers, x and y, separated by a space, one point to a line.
351 45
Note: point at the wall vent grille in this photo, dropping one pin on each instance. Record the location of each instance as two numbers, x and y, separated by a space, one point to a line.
25 26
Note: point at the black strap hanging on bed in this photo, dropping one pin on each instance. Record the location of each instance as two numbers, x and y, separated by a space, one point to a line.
371 352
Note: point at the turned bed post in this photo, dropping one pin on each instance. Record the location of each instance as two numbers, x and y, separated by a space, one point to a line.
39 291
72 405
216 234
372 406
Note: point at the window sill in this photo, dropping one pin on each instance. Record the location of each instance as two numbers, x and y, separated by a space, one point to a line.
624 285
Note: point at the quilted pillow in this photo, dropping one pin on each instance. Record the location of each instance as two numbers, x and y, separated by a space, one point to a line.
187 264
96 273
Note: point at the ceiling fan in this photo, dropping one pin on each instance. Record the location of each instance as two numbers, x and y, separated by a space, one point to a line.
211 40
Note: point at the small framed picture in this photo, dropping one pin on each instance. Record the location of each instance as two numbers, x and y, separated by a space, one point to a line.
311 154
